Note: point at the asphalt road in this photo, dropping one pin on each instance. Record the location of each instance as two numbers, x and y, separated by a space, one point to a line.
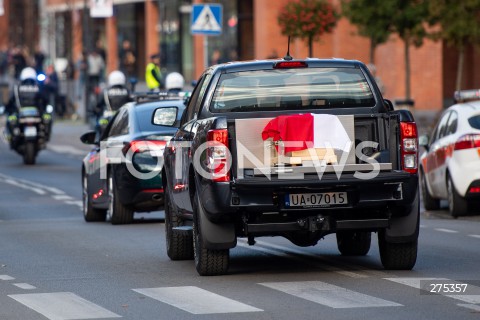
53 265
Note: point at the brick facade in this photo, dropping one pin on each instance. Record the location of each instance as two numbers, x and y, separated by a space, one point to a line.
433 66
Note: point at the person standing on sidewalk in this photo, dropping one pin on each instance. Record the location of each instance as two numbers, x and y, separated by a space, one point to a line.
153 75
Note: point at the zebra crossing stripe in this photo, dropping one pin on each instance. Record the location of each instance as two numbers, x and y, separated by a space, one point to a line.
25 286
416 283
196 300
63 306
329 295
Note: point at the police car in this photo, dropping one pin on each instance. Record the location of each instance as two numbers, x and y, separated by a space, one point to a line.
121 174
450 165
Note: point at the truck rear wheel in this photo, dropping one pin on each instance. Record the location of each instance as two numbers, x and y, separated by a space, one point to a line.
208 262
397 256
179 244
354 243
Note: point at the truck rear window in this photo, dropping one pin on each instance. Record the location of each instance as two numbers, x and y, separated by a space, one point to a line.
291 89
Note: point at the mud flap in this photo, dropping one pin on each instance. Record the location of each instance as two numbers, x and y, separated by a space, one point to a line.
215 236
405 229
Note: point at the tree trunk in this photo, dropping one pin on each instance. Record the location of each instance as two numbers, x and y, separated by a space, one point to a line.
310 46
407 68
461 58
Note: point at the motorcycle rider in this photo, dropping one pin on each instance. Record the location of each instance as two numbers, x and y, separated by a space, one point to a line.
114 96
27 93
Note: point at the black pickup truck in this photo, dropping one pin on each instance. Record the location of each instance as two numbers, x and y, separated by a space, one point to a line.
292 148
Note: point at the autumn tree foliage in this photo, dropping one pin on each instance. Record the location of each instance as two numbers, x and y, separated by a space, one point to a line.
307 20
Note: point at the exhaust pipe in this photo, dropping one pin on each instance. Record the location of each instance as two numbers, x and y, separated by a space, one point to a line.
157 197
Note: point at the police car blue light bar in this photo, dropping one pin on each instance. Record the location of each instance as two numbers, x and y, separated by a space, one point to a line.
467 95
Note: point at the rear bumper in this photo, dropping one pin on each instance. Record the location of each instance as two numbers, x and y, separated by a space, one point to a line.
389 194
136 192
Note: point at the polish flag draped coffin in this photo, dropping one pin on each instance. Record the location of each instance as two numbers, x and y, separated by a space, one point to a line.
303 131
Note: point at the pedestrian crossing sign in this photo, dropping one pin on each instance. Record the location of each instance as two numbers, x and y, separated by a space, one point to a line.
206 19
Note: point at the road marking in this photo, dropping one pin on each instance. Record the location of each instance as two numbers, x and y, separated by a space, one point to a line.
78 203
30 185
294 253
446 230
63 306
470 306
66 149
62 197
474 236
329 295
416 283
16 183
6 277
196 300
24 286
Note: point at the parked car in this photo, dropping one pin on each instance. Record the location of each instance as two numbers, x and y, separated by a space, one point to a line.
450 165
121 174
351 168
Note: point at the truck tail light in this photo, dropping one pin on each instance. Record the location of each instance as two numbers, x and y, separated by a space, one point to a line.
409 146
467 141
218 155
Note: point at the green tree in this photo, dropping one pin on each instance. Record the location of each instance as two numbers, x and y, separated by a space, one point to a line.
307 20
372 18
459 25
408 22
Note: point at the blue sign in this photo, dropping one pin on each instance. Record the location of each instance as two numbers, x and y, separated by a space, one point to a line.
206 19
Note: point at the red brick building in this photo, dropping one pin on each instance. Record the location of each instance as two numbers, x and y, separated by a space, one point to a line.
250 31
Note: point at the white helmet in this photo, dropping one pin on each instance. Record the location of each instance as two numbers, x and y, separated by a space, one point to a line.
28 73
116 78
174 80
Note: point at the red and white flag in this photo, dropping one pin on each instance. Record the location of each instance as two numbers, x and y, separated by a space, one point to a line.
303 131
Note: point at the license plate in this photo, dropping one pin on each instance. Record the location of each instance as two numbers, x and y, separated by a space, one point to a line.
30 131
306 200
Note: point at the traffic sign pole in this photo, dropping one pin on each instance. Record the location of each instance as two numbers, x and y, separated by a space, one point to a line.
207 21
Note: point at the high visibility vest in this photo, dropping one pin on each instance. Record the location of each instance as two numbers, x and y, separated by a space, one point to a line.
152 83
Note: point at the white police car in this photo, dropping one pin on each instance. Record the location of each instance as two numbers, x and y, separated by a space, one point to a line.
450 166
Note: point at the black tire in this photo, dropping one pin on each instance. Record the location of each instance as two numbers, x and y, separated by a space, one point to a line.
90 213
29 154
118 213
207 262
397 256
354 243
179 244
457 206
429 202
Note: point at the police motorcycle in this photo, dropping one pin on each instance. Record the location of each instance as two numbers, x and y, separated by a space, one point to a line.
114 96
29 118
